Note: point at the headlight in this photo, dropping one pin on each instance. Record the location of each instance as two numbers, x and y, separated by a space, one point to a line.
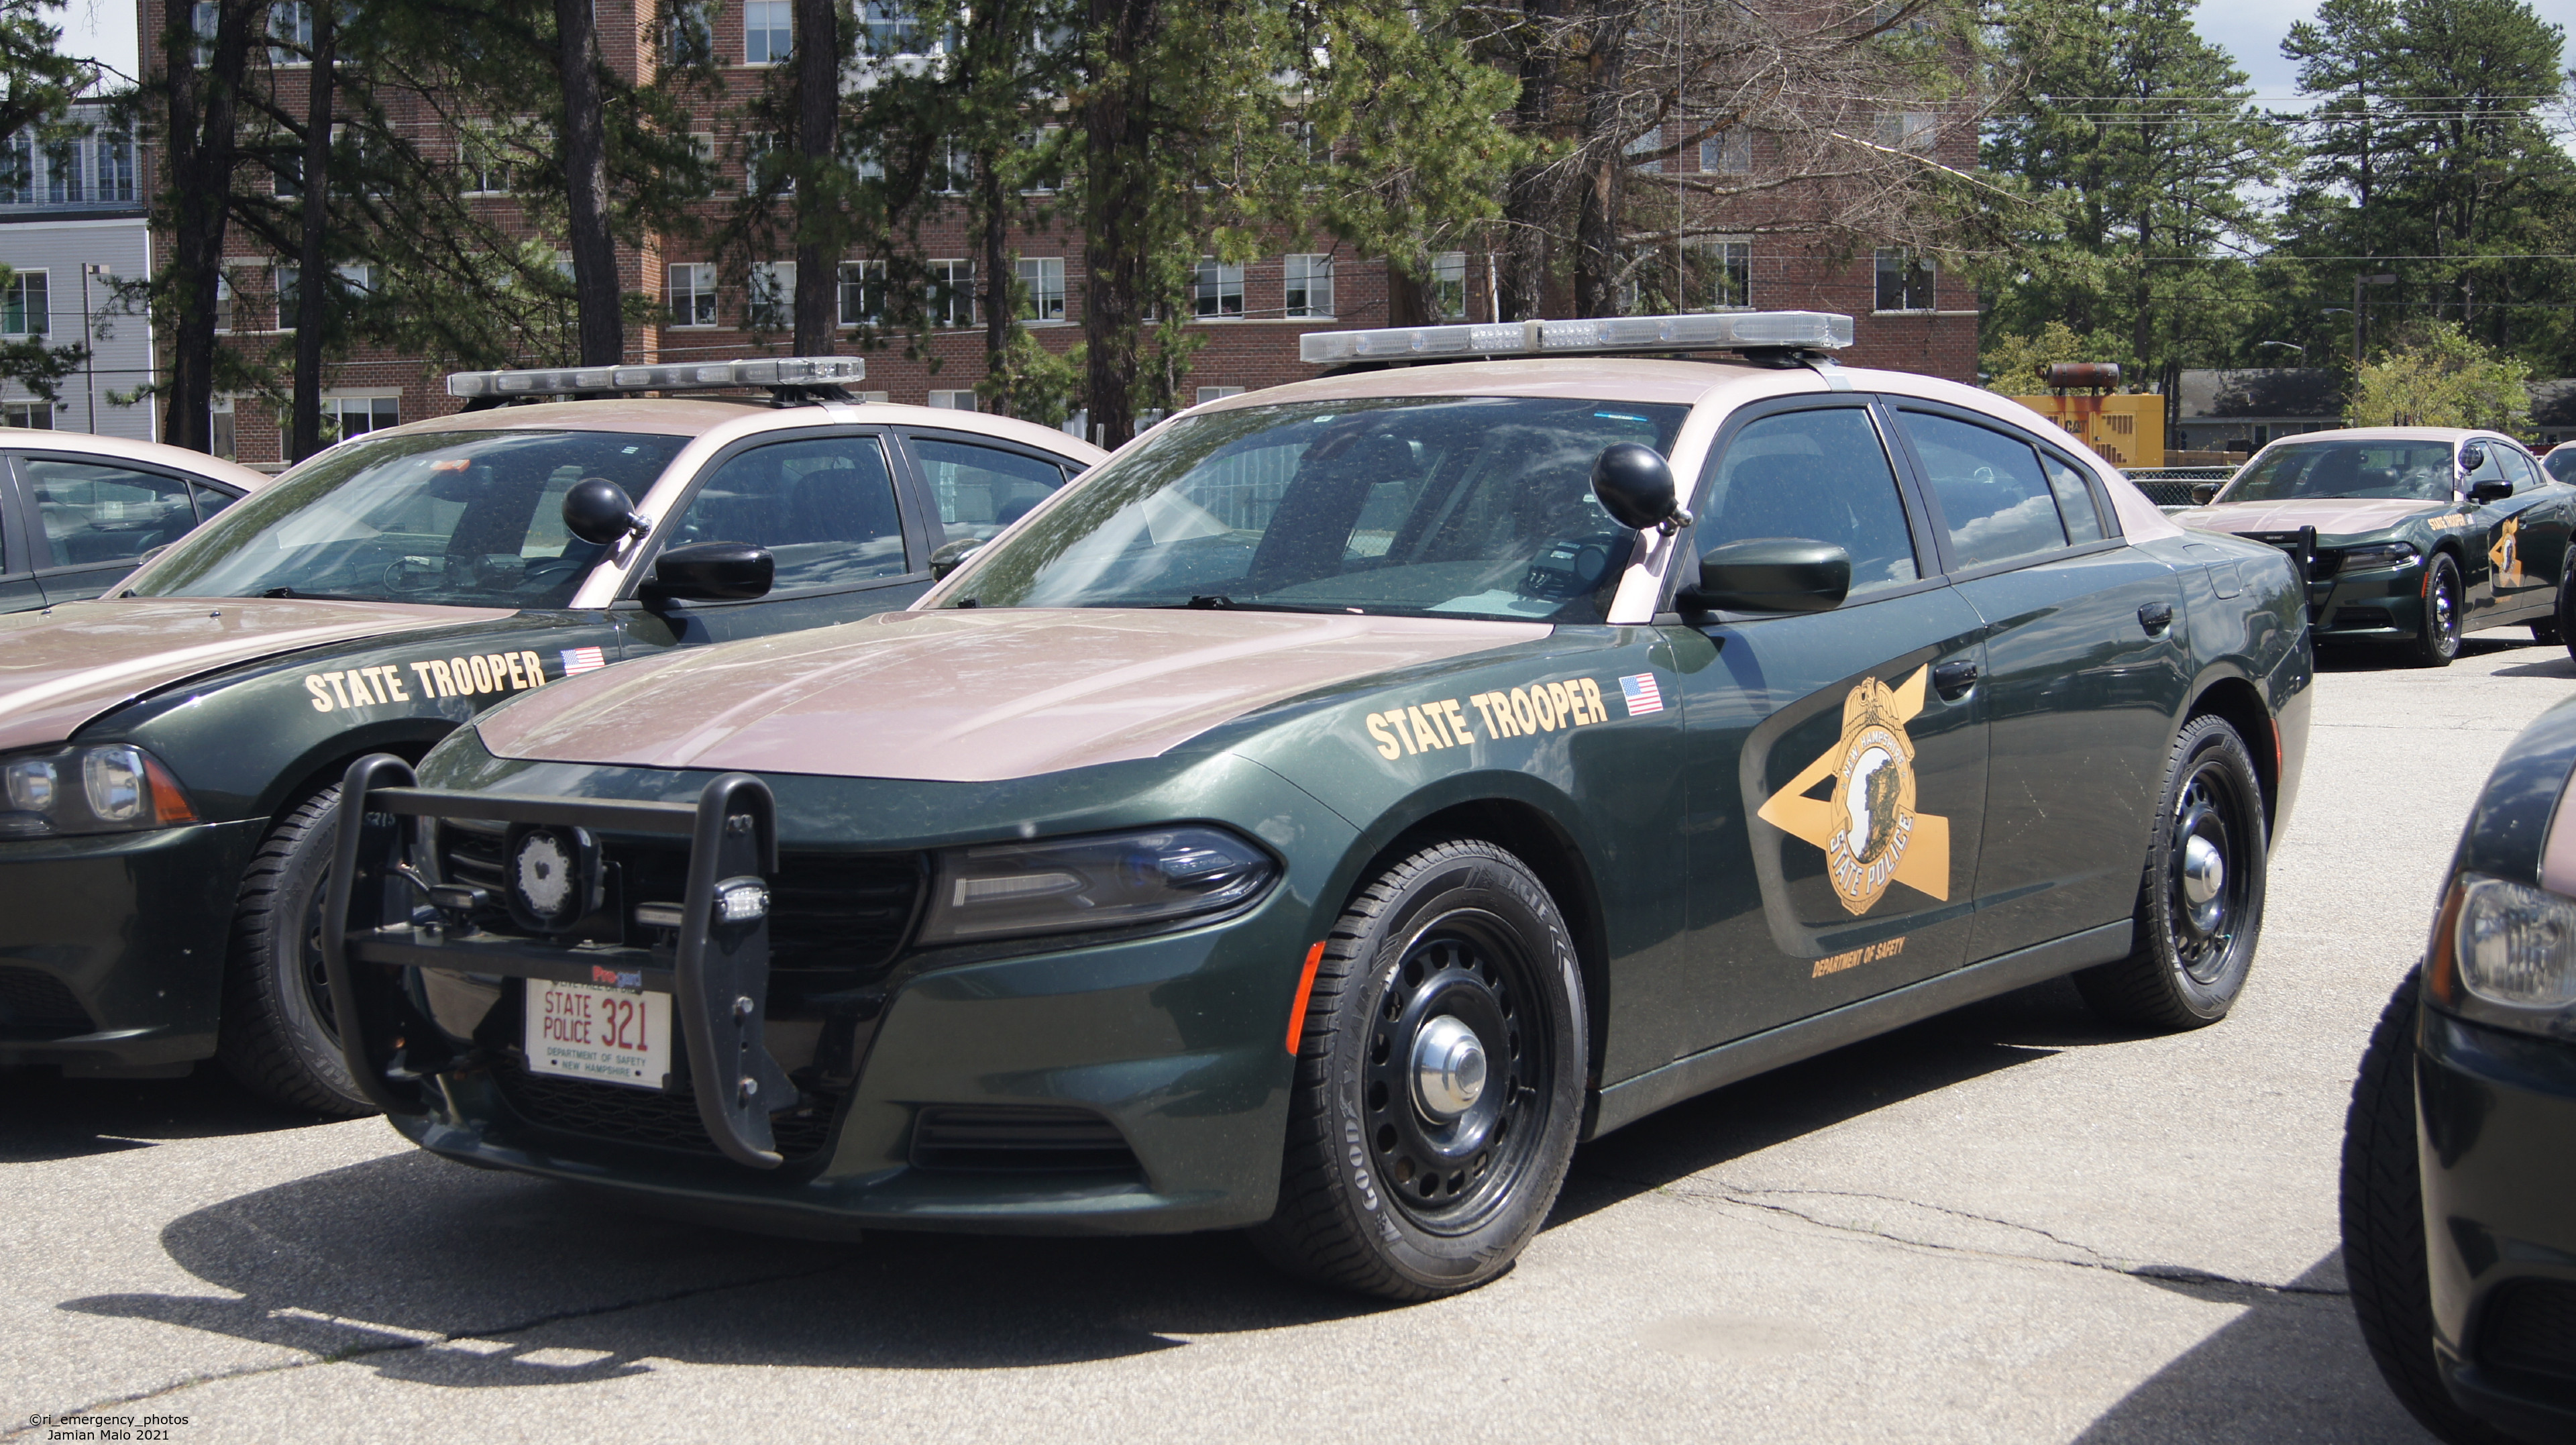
1113 880
103 788
2511 957
2378 554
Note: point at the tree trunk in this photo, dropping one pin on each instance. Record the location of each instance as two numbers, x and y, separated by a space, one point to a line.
1117 135
313 290
1529 200
1597 258
596 292
203 107
819 47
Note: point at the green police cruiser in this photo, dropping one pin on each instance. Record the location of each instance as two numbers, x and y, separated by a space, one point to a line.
170 754
1324 814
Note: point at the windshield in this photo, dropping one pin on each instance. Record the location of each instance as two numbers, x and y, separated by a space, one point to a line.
1445 506
466 519
2414 471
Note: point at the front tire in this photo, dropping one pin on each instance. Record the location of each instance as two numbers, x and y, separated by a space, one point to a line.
1439 1081
279 1037
2383 1227
2437 633
2200 902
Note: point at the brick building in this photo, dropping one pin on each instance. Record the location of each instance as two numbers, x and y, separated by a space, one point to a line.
1907 316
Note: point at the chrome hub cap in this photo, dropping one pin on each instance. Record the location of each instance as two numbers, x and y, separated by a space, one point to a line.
2204 873
2206 878
1448 1069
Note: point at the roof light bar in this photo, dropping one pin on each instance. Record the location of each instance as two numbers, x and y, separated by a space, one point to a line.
675 376
1718 331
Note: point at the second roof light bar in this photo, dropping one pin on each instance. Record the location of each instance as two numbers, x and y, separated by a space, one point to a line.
770 371
1706 331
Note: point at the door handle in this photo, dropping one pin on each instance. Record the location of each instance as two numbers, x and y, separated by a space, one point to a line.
2156 617
1953 679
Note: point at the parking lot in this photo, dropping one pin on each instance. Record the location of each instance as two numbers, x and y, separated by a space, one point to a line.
2008 1223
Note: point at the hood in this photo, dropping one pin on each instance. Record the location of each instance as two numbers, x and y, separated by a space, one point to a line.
65 665
966 695
2331 516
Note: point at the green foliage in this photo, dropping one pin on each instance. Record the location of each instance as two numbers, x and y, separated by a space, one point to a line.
2440 376
37 81
1032 383
2018 365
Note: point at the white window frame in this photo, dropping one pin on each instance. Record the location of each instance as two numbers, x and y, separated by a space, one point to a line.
223 301
1728 153
770 11
1904 258
1214 284
698 286
381 408
1306 286
952 288
1908 130
1042 278
479 154
867 279
33 414
959 400
283 282
1720 255
1449 279
769 304
1646 145
296 31
1217 393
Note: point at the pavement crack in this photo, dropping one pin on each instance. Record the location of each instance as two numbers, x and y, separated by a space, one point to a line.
395 1341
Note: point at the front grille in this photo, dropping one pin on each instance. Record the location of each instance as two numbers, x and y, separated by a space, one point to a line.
644 1116
35 1005
2322 563
1031 1137
2532 1326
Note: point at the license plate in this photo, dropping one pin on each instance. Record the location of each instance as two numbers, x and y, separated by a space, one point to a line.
605 1035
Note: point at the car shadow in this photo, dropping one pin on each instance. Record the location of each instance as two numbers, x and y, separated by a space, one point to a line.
2292 1366
2397 656
44 1116
427 1271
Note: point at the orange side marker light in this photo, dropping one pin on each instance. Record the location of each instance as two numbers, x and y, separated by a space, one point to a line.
1305 990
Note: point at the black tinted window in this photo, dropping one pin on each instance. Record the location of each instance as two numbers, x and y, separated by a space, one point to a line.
824 507
1993 498
1821 475
95 513
981 490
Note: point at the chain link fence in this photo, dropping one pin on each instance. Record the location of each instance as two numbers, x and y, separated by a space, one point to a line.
2171 486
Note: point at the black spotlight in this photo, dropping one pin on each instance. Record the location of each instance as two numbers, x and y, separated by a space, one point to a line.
552 877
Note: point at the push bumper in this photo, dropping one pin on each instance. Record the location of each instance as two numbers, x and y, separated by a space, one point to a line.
2496 1114
112 962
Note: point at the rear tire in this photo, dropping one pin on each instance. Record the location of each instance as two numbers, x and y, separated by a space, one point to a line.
2200 902
2437 633
279 1037
2383 1227
1403 1178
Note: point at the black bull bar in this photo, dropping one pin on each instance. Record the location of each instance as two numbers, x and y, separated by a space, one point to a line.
383 915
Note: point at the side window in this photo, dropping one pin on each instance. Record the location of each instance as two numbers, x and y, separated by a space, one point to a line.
981 490
825 508
2074 501
1993 499
210 500
1817 474
90 513
2518 469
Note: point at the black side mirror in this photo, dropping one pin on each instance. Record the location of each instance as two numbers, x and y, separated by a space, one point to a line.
1635 485
2490 490
953 555
2473 455
714 572
1771 574
2204 493
599 512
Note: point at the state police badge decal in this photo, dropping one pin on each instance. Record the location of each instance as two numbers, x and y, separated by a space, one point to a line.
1869 829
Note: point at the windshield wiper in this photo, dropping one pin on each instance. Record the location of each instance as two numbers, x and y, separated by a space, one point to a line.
293 595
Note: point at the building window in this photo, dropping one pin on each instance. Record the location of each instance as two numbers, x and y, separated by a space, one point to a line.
889 28
24 310
862 292
32 415
483 158
286 172
1904 280
1308 287
18 171
956 167
952 293
204 19
287 280
689 34
1645 152
1722 278
223 303
347 416
1449 285
63 174
1728 153
1042 277
115 168
756 151
1217 292
768 31
1906 130
867 163
773 295
693 294
953 400
1218 393
219 428
1041 160
290 32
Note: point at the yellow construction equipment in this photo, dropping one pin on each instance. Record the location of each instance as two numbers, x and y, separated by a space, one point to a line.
2127 429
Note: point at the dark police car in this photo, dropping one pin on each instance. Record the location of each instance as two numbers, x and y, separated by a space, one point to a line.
169 754
2458 1237
1324 814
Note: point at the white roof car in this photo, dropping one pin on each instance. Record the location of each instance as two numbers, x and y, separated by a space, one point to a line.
77 511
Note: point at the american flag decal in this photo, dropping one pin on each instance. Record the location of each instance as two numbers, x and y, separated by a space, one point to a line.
1642 695
585 659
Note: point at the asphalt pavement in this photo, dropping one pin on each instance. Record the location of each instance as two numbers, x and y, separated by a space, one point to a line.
2009 1223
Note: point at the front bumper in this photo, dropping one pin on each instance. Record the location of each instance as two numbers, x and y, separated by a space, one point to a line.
112 960
2384 604
2497 1117
1136 1086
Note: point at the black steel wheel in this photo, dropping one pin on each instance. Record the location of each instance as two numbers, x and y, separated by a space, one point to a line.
2383 1227
1438 1082
2200 902
2437 635
278 1034
2562 609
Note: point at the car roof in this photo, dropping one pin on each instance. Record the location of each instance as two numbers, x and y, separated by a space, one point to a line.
213 469
1586 378
2452 434
695 416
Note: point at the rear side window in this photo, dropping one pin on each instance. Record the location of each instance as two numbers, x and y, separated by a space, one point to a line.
981 490
2074 501
1993 497
824 507
1820 475
210 500
91 513
2517 469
